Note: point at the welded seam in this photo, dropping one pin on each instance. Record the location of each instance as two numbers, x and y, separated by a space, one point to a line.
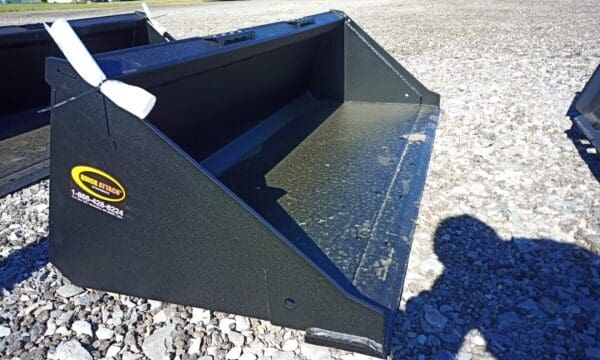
385 200
385 61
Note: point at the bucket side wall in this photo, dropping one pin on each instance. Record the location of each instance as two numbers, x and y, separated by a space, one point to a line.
372 74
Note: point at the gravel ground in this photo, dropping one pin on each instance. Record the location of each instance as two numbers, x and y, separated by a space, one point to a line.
505 259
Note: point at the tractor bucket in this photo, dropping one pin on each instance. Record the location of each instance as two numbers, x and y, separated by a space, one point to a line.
585 111
24 133
278 177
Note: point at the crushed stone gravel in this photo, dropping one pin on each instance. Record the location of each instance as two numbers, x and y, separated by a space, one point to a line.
505 260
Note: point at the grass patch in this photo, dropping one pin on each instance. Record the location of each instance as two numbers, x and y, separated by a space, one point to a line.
105 5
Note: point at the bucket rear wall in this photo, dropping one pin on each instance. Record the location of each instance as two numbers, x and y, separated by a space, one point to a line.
215 107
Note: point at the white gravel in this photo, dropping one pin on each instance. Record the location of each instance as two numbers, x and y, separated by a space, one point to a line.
505 258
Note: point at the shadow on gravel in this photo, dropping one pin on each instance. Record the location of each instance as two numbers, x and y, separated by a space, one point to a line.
528 298
19 265
586 150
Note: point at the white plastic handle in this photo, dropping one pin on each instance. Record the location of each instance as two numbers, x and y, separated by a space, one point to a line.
133 99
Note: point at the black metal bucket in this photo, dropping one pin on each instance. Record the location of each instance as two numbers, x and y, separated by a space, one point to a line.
585 110
24 133
278 176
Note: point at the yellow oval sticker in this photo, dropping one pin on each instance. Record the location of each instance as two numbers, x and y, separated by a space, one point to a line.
98 183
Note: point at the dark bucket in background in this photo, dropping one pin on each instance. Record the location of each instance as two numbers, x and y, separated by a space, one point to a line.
278 177
24 134
585 110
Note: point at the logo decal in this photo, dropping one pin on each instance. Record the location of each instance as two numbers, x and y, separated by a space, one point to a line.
98 183
98 189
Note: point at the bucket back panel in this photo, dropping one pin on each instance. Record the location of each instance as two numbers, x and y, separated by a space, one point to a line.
327 79
204 112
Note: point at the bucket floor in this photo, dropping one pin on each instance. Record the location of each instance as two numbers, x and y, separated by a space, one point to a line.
325 179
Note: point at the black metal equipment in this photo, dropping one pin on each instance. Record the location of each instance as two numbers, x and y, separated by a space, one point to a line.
586 110
24 134
278 176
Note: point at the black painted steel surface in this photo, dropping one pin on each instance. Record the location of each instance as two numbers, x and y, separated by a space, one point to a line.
278 177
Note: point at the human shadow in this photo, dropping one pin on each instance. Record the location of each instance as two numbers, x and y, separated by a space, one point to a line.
528 298
22 263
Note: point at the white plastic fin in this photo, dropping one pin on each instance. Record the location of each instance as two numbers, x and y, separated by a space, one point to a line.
134 99
153 22
75 52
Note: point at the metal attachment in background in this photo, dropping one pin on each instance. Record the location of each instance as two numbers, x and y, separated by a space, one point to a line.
585 111
158 27
24 119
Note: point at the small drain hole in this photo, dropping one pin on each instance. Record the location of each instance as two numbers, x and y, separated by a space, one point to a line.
290 303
